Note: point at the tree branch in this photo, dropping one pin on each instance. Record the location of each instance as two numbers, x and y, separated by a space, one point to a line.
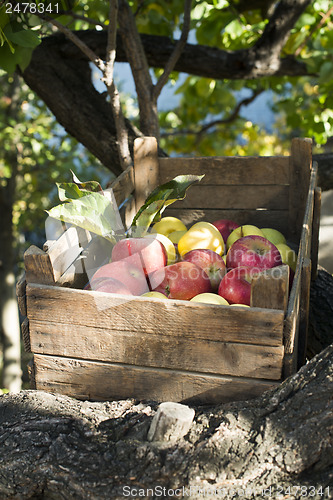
176 53
122 135
213 123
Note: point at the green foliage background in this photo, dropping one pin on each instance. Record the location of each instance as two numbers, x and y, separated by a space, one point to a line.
200 124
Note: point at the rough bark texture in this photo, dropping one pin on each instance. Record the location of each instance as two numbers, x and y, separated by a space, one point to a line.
55 447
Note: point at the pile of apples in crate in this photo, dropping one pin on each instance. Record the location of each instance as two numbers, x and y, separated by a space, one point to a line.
206 262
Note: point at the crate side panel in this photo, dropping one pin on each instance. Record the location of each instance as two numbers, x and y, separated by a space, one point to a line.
229 170
101 381
147 315
274 197
160 351
277 219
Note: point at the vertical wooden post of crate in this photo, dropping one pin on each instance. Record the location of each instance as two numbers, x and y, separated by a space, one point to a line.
146 168
315 233
300 168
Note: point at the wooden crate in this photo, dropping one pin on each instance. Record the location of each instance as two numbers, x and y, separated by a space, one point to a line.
98 346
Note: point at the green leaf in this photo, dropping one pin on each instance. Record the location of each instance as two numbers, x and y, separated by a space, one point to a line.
24 38
93 212
161 197
68 191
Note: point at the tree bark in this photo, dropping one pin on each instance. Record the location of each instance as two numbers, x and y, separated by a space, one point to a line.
279 445
56 447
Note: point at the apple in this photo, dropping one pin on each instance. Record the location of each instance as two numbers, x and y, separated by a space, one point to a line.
211 262
109 285
241 231
288 255
150 251
239 305
128 271
209 298
273 235
201 235
253 251
176 235
235 286
225 226
168 225
157 295
169 247
182 280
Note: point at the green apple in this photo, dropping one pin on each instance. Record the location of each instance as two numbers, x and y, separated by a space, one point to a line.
273 235
158 295
288 255
241 231
176 235
209 298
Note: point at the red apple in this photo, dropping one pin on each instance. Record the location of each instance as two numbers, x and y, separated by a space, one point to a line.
182 280
128 271
109 285
235 286
150 250
225 226
253 251
211 262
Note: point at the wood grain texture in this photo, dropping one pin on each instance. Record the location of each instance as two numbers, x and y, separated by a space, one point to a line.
123 185
146 168
229 170
26 335
300 167
105 381
156 350
315 233
304 311
38 266
21 286
143 315
270 289
235 197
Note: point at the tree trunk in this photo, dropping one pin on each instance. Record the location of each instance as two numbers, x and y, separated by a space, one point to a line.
276 446
9 316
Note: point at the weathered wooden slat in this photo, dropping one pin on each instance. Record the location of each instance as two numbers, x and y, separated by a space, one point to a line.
235 197
315 233
143 315
229 170
103 381
277 219
304 311
38 266
300 167
270 289
123 185
146 168
21 286
159 351
26 335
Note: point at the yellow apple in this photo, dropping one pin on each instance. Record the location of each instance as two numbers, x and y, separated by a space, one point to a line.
241 231
273 235
176 235
209 298
288 255
158 295
201 235
168 225
168 246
